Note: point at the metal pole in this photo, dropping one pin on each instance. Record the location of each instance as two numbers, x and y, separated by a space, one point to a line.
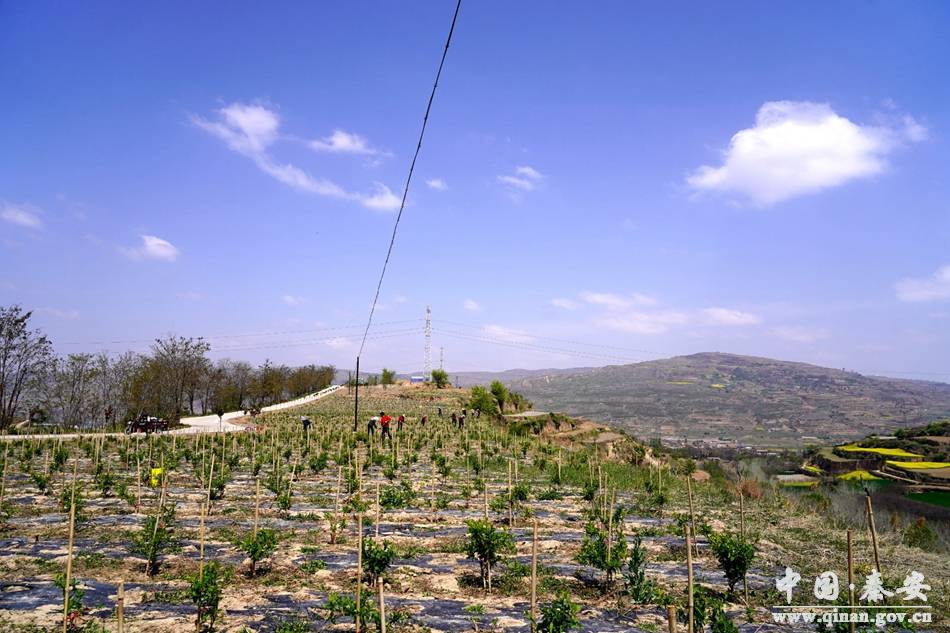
356 403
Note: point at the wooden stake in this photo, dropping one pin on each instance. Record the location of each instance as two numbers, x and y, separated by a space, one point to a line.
850 580
485 489
382 607
201 547
257 504
692 518
120 606
689 583
671 618
534 578
359 567
69 555
877 560
378 509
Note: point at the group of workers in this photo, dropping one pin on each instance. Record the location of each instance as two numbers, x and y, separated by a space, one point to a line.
384 422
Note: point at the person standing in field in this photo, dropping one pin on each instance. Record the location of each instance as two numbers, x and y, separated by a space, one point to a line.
455 419
423 420
462 420
399 422
384 421
371 426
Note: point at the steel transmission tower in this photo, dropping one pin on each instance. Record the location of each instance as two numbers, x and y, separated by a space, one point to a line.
428 333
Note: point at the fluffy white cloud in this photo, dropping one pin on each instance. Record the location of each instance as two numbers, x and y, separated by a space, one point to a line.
566 304
291 300
21 214
727 316
70 314
341 142
252 129
506 334
525 178
617 302
153 247
932 288
338 342
797 334
437 183
471 305
798 148
643 322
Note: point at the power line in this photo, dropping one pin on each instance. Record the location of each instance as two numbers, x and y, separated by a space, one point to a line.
412 167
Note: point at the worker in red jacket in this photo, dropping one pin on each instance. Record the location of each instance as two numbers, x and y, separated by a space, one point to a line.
384 421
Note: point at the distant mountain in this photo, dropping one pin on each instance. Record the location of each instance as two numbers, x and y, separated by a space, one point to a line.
730 399
511 376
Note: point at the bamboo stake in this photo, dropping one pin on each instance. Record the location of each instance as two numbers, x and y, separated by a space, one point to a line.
511 513
671 618
850 580
210 479
877 560
359 567
69 555
3 477
745 580
485 489
257 504
120 607
382 607
689 575
692 518
534 578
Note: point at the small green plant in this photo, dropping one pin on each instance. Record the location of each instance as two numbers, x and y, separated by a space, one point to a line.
41 481
377 557
259 546
638 587
920 535
74 606
734 554
205 593
604 549
399 496
153 539
487 544
559 616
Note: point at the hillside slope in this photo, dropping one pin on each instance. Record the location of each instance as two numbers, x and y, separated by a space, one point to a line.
726 398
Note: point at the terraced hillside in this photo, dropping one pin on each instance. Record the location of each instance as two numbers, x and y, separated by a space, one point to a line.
742 400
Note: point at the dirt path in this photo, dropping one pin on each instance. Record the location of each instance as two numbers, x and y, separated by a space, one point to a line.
195 424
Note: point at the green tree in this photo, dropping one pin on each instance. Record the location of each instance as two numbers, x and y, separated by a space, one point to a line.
388 377
441 378
734 554
205 593
481 399
377 557
259 546
487 544
500 393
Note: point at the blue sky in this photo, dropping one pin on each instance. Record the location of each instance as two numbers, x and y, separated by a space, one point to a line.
600 182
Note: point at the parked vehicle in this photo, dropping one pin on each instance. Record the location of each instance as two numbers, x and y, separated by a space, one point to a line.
146 424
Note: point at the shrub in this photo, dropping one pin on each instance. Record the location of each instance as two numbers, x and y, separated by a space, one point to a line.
259 546
920 535
637 586
441 378
41 481
734 554
400 496
594 550
559 616
153 539
205 593
74 607
487 544
376 559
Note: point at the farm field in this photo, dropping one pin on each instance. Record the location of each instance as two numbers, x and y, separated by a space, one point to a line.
280 535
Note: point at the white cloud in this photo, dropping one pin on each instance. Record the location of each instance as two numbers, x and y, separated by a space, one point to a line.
383 200
617 302
506 334
525 178
566 304
437 183
25 215
153 248
338 342
400 299
292 300
643 322
797 334
342 142
69 315
727 316
252 129
932 288
471 305
798 148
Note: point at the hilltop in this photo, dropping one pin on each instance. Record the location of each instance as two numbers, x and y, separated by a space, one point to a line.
728 399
